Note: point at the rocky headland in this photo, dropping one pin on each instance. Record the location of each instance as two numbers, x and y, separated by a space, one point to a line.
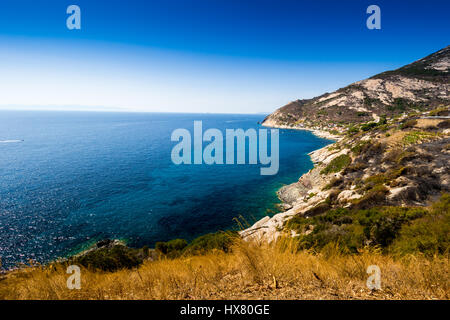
392 146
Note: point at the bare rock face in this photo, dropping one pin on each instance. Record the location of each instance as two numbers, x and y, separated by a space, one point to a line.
291 193
423 84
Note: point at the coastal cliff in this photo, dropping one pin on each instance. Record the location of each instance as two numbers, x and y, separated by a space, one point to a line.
392 146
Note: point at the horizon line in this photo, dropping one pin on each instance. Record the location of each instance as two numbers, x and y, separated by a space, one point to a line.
128 111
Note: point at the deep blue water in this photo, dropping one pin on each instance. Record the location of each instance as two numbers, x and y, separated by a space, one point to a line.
78 177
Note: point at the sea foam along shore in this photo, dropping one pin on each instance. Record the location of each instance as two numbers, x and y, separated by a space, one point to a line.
268 228
317 132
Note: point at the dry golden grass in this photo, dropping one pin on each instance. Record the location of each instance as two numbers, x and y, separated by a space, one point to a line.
249 272
426 123
394 139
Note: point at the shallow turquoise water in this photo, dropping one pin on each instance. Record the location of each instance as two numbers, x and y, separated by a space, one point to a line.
68 178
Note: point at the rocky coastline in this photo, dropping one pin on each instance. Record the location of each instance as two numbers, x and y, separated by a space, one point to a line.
296 197
316 131
391 134
411 164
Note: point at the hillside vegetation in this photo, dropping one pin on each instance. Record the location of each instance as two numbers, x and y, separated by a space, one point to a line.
374 179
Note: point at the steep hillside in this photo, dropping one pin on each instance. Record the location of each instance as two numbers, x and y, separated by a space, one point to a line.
419 86
393 150
398 162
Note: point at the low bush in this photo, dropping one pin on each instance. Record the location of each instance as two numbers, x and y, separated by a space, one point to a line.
172 248
368 126
385 227
369 101
355 167
110 259
352 130
430 234
373 150
211 241
375 196
444 124
334 182
318 209
381 225
360 147
400 104
312 194
415 137
335 132
408 124
384 178
337 164
439 112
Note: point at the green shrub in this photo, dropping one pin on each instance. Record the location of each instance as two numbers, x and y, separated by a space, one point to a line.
334 182
373 197
418 69
177 247
312 194
348 238
408 124
439 112
355 167
172 248
297 223
399 104
429 234
335 226
219 241
335 132
318 209
352 230
414 137
399 156
384 178
382 123
374 149
109 259
334 215
337 164
360 147
384 127
352 130
369 101
381 225
368 126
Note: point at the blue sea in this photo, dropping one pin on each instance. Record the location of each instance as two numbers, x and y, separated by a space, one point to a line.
68 179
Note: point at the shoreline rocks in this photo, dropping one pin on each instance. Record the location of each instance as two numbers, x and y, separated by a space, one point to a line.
317 132
299 197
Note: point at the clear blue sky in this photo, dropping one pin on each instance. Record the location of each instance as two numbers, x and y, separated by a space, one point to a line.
203 55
